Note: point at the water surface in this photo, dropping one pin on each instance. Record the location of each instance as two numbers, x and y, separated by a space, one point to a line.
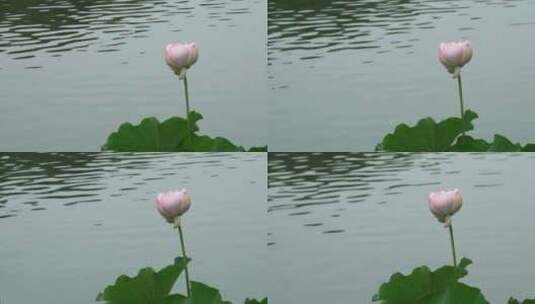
340 224
72 71
75 222
344 73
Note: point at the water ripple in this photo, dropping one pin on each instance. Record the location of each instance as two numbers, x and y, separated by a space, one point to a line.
318 187
37 181
313 28
57 27
305 180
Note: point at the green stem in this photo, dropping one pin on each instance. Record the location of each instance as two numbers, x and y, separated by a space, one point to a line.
452 245
188 285
459 81
187 104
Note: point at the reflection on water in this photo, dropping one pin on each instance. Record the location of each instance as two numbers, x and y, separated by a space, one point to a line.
307 180
320 27
34 181
340 224
74 222
57 27
300 183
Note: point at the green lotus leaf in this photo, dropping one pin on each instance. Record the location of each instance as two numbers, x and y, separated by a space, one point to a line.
151 287
207 144
454 294
204 294
424 286
172 135
265 149
515 301
151 135
428 135
254 301
174 299
467 143
446 136
502 144
148 286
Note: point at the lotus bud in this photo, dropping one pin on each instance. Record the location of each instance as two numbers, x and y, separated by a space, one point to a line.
173 204
454 55
181 56
444 204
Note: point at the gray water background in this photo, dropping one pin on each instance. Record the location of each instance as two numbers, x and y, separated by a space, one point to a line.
344 73
72 71
70 224
340 224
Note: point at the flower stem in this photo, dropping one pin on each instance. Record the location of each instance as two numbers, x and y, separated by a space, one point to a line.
459 81
187 104
452 245
188 285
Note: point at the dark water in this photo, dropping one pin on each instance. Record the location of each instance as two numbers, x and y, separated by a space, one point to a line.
341 224
57 27
74 222
358 68
70 64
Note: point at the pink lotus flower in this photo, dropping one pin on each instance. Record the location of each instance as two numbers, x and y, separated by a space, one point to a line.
181 56
454 55
443 204
173 204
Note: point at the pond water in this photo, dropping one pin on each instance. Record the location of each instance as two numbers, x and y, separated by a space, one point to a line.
340 224
356 69
88 66
70 224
